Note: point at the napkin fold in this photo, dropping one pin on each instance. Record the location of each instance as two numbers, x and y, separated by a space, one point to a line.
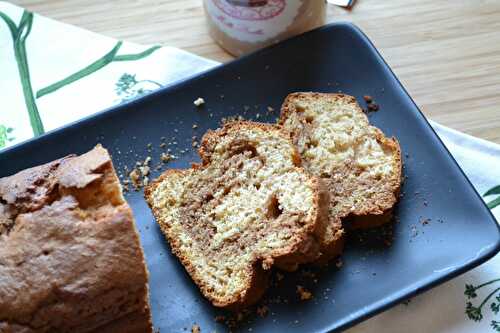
53 74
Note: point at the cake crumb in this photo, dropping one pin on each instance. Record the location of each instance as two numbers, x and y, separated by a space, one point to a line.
146 181
195 126
135 177
195 144
304 294
195 328
166 157
368 99
270 109
144 170
199 102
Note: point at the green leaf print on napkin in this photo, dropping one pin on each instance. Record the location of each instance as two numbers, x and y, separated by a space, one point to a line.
476 312
128 87
19 35
493 191
105 60
5 135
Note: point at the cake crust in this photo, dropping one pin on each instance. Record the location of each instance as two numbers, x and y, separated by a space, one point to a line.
70 257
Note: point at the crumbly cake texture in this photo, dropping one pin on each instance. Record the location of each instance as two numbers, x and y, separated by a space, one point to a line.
70 257
246 207
359 164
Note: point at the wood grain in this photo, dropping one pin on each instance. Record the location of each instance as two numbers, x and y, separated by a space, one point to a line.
445 52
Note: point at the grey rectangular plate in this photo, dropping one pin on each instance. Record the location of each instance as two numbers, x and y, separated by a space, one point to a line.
461 234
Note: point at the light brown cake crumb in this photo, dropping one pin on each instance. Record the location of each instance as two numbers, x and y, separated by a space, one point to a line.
135 177
165 157
195 328
304 294
144 170
199 101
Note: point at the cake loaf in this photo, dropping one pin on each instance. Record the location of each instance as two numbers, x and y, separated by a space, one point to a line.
70 257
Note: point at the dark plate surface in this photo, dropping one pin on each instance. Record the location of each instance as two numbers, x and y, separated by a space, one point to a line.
461 232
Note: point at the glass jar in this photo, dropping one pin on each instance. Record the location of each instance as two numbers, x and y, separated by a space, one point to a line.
242 26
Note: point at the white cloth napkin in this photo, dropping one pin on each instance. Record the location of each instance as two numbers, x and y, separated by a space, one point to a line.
53 74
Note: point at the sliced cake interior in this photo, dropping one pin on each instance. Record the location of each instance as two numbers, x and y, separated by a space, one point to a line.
246 208
360 165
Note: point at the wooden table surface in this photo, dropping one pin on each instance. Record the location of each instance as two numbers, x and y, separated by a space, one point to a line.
445 52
